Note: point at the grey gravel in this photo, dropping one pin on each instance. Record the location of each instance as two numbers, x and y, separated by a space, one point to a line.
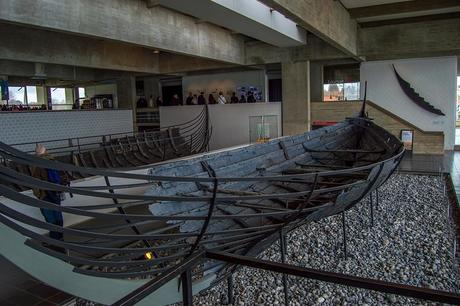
411 242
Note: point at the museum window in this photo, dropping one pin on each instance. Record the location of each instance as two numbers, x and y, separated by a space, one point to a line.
16 95
61 99
341 83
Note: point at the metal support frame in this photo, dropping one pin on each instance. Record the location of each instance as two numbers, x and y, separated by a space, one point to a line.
153 285
377 198
338 278
344 231
371 206
283 247
230 289
187 294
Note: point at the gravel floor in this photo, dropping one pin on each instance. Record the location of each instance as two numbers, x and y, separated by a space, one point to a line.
411 242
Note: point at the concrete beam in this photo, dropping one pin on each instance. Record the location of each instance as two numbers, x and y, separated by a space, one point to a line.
327 19
422 39
54 74
128 21
249 17
33 45
258 53
401 7
174 63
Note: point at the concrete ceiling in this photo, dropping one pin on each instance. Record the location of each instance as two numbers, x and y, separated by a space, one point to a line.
249 17
381 10
360 3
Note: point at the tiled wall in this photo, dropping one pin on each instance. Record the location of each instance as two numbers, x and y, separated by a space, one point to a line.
20 127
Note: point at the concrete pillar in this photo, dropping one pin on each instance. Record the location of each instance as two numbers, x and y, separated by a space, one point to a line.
316 82
41 95
126 92
151 87
296 97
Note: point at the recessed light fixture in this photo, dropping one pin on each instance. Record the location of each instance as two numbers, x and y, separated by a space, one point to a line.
156 51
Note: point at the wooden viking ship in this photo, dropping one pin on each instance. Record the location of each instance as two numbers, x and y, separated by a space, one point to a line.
131 230
124 150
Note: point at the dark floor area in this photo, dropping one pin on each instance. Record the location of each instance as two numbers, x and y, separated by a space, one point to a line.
18 288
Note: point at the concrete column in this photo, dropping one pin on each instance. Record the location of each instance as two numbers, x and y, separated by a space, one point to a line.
126 92
296 97
151 87
316 82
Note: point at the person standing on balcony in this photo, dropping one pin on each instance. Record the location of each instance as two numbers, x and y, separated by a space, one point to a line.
201 99
221 98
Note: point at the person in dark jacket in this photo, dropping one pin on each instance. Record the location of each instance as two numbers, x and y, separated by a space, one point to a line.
251 98
189 99
175 100
201 99
242 99
211 99
53 176
234 98
159 101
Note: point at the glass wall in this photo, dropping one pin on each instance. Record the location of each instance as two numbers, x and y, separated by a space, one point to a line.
341 83
61 98
16 95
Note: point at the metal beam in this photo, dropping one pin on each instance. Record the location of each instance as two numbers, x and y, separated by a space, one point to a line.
337 278
402 7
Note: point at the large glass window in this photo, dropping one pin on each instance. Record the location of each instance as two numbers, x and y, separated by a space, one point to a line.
32 97
341 83
17 95
61 99
81 92
341 91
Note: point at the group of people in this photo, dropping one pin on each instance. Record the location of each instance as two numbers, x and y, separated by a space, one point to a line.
193 99
221 99
20 107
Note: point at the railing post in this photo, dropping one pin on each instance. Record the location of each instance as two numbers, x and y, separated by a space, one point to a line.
230 289
283 260
371 206
187 293
344 230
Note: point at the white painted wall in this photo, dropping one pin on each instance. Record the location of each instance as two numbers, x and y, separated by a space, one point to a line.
230 122
433 78
225 82
21 127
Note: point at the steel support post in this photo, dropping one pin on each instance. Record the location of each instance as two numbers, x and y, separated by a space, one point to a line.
283 260
186 280
344 230
230 289
377 199
371 206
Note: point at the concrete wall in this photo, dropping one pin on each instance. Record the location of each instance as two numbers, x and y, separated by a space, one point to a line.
433 78
230 123
21 127
225 82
